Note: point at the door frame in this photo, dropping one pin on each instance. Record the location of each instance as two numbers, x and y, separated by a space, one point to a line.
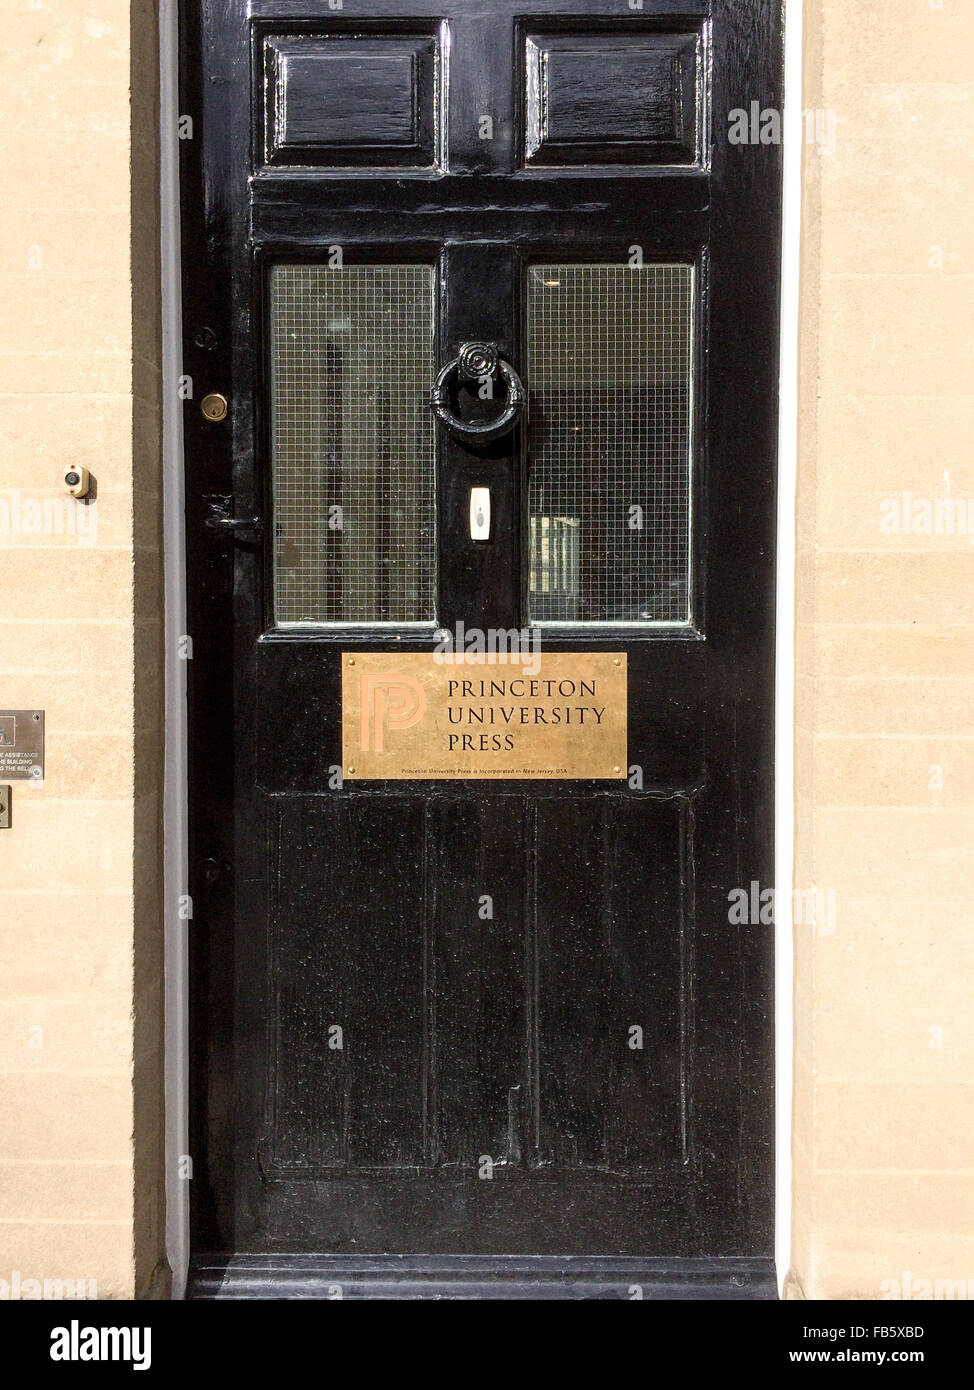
175 818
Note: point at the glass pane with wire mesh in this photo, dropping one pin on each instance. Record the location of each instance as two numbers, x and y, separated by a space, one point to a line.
610 387
352 357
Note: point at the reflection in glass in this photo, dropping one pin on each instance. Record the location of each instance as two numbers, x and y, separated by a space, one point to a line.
609 377
352 444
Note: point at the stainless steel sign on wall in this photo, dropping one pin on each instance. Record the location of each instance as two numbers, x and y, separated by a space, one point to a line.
21 745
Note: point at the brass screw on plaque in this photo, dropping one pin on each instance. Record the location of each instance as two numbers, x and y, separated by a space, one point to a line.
351 661
350 771
214 406
616 661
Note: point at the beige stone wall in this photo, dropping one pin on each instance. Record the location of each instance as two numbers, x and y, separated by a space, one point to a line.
884 1112
80 636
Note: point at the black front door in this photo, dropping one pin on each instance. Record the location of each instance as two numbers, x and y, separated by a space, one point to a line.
491 297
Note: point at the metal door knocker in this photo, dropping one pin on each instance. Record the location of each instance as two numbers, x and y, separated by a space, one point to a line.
474 362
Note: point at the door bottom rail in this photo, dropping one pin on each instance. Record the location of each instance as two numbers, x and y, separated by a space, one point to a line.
541 1277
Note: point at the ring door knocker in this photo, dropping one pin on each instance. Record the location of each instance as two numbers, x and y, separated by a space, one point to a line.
475 362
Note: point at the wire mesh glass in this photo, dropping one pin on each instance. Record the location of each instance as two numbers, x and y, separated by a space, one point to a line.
609 442
352 358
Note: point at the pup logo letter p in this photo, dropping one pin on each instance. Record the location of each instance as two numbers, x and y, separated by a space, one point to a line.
389 702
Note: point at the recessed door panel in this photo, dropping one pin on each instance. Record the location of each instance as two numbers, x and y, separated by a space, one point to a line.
350 100
612 97
612 948
346 945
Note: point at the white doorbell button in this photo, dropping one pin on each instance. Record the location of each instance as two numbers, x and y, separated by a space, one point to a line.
480 513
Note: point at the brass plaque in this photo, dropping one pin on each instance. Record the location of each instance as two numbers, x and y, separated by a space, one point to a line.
418 716
21 745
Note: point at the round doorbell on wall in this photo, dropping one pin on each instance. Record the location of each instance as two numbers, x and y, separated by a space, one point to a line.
77 480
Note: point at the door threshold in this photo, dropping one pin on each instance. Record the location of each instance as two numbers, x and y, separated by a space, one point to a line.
479 1277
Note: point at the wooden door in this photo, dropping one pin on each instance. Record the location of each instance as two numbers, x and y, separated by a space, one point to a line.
480 1034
